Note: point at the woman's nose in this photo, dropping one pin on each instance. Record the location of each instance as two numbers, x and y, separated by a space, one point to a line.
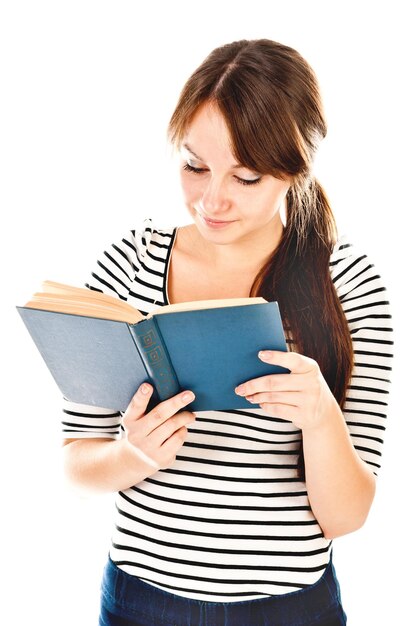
215 198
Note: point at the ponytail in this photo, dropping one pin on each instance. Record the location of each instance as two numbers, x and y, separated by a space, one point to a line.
297 276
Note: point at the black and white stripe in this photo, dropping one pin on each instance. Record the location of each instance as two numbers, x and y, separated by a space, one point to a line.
230 520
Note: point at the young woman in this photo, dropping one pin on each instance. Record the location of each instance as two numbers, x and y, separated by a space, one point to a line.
228 517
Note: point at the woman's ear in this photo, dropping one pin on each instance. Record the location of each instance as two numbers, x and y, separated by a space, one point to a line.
283 211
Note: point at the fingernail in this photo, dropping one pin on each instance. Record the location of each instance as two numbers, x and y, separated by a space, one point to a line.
240 390
265 355
145 389
187 396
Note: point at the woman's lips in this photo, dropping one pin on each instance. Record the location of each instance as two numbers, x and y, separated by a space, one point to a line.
214 223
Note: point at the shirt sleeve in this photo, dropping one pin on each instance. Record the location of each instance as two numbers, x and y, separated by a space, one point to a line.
117 266
366 306
113 274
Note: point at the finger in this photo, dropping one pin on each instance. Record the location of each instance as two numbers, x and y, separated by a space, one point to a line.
164 431
272 382
138 404
292 361
289 398
170 447
166 409
281 411
295 362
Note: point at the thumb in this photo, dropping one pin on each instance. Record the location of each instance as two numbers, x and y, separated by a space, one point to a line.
292 361
139 403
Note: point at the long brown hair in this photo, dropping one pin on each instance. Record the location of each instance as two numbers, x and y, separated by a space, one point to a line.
270 100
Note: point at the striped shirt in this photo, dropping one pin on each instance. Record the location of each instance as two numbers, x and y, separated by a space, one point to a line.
230 520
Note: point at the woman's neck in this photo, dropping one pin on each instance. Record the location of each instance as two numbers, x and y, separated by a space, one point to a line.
246 254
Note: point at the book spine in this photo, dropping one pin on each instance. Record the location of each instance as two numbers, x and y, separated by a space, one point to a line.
155 358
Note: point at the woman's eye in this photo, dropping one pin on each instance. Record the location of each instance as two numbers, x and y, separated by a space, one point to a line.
245 181
200 170
197 170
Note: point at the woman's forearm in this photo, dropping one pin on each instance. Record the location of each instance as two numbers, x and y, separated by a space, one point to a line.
151 442
103 465
340 485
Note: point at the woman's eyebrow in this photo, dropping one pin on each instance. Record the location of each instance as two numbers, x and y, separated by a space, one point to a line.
233 167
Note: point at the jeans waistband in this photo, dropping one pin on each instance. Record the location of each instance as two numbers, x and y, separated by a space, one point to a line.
130 597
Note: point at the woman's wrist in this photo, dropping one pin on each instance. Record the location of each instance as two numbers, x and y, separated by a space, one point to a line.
329 417
136 463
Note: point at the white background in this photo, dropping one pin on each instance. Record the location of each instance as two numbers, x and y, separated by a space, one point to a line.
87 89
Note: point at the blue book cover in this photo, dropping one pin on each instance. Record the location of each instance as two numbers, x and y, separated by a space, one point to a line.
210 351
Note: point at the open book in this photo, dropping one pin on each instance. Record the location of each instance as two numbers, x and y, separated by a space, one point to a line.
99 349
80 301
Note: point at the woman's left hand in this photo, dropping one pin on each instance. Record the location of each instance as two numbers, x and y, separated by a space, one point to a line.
302 396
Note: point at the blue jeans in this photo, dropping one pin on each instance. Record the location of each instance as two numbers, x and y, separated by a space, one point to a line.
127 601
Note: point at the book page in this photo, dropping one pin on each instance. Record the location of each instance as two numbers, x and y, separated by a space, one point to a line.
205 304
77 293
82 301
89 310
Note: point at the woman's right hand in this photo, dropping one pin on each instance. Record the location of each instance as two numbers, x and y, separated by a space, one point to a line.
156 437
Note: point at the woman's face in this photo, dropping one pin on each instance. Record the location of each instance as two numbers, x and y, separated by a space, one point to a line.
227 201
